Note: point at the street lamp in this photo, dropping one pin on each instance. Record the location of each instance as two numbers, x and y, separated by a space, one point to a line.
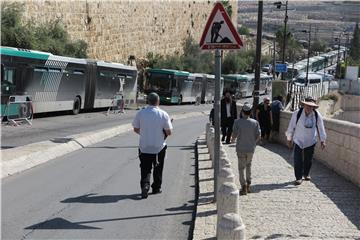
308 54
278 6
338 69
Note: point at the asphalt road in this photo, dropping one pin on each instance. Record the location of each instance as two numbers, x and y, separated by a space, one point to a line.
94 193
57 126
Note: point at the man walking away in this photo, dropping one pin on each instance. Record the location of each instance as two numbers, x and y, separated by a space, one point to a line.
228 115
276 108
247 131
306 125
263 115
153 125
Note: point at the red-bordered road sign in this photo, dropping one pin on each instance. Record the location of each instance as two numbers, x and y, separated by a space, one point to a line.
219 32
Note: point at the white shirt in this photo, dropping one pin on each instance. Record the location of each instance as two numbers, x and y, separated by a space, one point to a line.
151 121
228 113
305 136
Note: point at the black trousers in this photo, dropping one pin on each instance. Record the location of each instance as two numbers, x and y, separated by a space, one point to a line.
226 128
147 161
303 161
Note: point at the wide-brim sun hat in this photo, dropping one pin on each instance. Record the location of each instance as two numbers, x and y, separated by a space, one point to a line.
310 102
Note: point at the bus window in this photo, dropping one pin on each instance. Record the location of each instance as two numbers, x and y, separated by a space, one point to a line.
55 70
8 80
78 72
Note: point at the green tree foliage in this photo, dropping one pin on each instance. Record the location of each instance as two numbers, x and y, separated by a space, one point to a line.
243 30
227 6
293 49
318 46
242 61
355 45
193 59
48 37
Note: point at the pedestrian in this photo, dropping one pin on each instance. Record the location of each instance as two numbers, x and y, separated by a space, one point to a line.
153 125
228 116
247 132
264 117
211 117
276 108
306 125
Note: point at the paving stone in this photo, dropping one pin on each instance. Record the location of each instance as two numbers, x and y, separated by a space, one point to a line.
328 207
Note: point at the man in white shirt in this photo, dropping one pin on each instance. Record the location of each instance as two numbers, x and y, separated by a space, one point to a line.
306 125
153 125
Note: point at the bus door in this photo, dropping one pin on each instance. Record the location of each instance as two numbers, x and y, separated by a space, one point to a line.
90 85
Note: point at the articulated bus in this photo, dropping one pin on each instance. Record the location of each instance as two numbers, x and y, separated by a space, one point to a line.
57 83
169 84
242 85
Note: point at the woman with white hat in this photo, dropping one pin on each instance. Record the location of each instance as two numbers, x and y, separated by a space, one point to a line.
306 125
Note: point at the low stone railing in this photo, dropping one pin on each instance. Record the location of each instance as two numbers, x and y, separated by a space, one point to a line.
229 222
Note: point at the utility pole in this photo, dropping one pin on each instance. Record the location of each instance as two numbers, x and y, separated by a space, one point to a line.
284 43
258 57
308 56
274 59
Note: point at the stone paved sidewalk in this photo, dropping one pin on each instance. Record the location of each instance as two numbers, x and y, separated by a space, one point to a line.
328 207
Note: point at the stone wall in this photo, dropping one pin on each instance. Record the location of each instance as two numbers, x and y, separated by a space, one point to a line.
342 150
116 29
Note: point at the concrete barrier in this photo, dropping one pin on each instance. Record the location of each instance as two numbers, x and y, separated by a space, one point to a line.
228 199
342 150
225 175
231 227
229 223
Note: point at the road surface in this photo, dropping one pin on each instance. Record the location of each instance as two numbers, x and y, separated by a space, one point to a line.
94 193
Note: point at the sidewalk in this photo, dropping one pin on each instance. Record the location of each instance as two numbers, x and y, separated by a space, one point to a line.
328 207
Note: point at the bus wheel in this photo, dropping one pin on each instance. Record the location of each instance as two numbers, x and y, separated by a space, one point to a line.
76 106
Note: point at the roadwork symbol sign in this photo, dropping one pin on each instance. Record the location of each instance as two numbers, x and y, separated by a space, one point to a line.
219 32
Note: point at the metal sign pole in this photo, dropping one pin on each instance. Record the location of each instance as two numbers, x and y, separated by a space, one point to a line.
217 118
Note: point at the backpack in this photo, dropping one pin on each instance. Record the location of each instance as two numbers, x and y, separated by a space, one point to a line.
316 119
299 114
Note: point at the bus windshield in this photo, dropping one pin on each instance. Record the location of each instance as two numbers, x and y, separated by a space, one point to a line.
159 82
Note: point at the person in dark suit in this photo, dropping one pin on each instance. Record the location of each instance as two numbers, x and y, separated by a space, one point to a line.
228 116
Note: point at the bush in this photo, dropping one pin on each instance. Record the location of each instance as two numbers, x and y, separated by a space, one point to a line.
330 96
49 37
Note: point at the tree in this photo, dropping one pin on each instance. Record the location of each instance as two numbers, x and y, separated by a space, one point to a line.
355 44
49 37
227 6
318 46
243 30
293 49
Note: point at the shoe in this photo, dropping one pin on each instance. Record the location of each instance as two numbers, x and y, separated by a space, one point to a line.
144 193
248 189
298 182
243 190
307 178
156 191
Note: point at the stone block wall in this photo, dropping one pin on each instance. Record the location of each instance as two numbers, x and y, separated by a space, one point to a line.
116 29
342 150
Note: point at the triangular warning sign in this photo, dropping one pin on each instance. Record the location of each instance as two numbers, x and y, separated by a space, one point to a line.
219 32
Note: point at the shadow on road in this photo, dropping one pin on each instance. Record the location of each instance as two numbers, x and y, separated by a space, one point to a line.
60 223
91 198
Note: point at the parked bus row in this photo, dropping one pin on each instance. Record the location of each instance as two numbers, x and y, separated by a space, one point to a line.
316 63
176 87
57 83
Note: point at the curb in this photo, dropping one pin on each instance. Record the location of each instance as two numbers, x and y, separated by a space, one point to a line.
205 209
18 159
